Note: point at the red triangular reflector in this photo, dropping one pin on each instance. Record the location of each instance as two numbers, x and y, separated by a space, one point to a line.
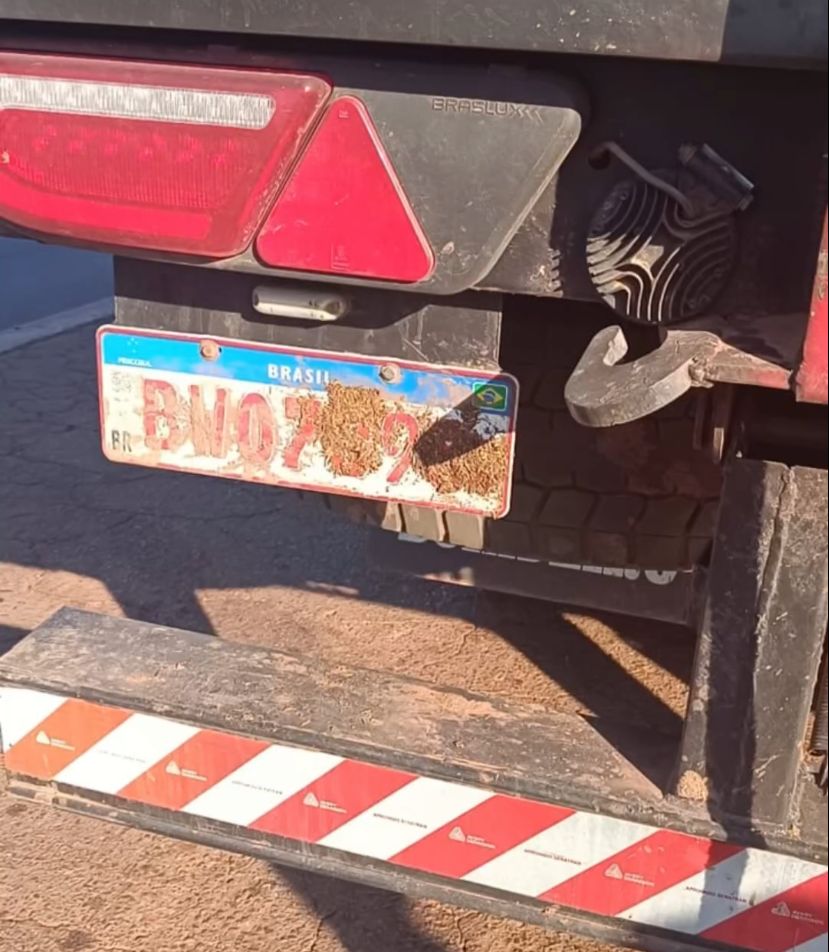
343 210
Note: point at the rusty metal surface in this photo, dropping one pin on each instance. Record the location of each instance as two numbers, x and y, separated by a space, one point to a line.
604 391
601 391
759 645
353 712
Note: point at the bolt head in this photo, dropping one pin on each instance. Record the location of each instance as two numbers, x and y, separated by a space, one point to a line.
389 373
209 350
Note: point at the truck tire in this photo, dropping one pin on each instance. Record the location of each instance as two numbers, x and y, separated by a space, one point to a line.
639 494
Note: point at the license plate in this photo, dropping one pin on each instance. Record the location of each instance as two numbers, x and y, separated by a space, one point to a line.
376 428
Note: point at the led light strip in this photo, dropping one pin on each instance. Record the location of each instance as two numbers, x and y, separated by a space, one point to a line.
200 107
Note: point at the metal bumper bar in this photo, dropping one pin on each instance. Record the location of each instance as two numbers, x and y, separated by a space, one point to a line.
391 782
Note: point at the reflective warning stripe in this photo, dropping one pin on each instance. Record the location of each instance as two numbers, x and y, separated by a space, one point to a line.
191 769
405 817
22 711
723 891
818 944
62 739
265 781
769 925
331 800
468 841
746 898
126 752
555 855
646 869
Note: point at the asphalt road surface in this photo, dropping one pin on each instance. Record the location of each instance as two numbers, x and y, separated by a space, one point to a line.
37 280
256 565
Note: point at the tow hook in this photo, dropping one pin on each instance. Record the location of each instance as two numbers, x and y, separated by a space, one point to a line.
602 391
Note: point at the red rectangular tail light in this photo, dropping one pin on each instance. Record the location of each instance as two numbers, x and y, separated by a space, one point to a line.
164 157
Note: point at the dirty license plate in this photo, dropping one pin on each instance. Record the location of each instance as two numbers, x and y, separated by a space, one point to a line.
362 426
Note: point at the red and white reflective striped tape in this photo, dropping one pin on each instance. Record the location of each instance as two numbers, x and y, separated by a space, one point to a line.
747 898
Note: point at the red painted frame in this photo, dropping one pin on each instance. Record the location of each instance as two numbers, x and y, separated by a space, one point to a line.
810 383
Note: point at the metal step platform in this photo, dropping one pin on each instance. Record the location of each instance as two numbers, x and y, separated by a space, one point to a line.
718 842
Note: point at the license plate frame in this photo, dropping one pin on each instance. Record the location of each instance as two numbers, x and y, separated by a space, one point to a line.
454 452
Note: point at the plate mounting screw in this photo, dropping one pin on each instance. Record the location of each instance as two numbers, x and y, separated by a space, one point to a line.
389 373
209 350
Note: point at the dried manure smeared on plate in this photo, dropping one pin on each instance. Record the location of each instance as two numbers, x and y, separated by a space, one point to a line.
454 455
351 430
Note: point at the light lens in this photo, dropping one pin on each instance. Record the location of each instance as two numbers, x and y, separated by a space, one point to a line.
343 210
170 158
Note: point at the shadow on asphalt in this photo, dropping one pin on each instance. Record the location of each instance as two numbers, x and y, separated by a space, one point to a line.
74 278
156 540
9 636
364 919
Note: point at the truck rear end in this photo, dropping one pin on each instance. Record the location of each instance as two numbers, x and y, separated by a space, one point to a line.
543 284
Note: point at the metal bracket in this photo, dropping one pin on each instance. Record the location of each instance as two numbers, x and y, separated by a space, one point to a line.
602 391
759 650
